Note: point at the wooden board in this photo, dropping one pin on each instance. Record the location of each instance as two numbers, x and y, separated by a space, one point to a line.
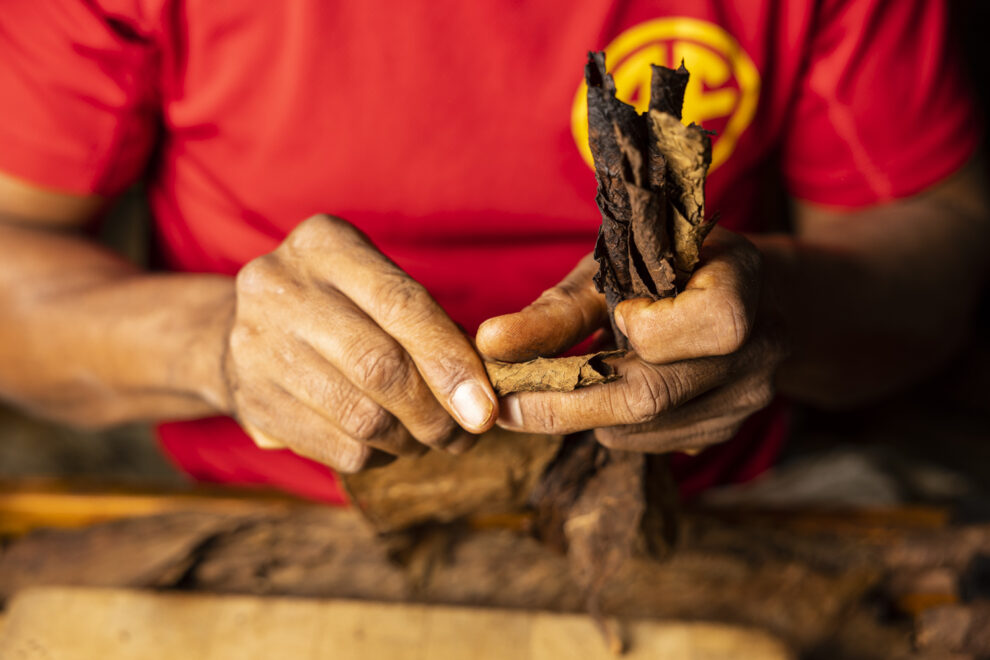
98 624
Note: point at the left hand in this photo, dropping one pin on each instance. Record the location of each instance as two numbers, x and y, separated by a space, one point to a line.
702 361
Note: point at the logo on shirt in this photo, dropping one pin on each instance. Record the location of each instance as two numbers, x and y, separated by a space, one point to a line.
721 96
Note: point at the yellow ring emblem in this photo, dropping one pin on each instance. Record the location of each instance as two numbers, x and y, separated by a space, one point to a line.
724 88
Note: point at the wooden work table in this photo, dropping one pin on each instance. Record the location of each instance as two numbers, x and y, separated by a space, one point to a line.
815 580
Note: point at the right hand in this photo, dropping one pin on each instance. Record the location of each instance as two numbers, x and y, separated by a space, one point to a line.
335 352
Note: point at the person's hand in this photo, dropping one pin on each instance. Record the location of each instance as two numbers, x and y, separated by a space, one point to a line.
703 361
335 352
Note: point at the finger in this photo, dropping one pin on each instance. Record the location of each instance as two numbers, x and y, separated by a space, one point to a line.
303 431
560 318
704 434
262 439
709 419
642 392
712 316
462 444
296 369
266 442
406 311
328 393
376 365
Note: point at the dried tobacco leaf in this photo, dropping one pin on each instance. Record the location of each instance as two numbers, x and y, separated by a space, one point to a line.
551 374
667 88
651 173
602 529
601 503
632 249
687 151
557 491
496 476
598 504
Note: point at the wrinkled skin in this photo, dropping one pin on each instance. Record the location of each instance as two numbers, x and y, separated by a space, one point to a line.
702 362
335 352
870 300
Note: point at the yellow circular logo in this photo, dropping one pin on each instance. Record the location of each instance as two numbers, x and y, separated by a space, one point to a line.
721 96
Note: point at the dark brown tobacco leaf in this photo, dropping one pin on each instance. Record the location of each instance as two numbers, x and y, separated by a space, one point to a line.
667 87
608 504
554 496
551 374
599 505
633 248
651 174
603 524
618 138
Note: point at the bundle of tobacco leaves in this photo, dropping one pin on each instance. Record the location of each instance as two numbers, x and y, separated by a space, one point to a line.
600 504
651 173
596 504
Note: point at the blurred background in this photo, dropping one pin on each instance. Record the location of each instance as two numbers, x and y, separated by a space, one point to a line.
930 444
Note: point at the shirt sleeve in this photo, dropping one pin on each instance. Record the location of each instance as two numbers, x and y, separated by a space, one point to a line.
883 110
78 107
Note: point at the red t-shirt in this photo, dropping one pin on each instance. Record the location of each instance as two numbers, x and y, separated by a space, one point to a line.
451 133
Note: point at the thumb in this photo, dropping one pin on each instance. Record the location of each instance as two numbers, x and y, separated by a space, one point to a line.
560 318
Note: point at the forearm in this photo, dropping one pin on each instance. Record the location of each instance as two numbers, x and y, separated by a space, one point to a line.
875 301
88 339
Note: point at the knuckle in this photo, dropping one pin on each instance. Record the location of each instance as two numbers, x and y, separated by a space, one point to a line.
400 297
693 438
704 439
647 337
721 435
651 392
310 228
731 326
645 345
562 294
251 400
381 369
570 296
642 407
643 398
540 414
258 275
759 396
462 444
439 433
671 387
368 424
318 222
350 459
321 232
241 339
